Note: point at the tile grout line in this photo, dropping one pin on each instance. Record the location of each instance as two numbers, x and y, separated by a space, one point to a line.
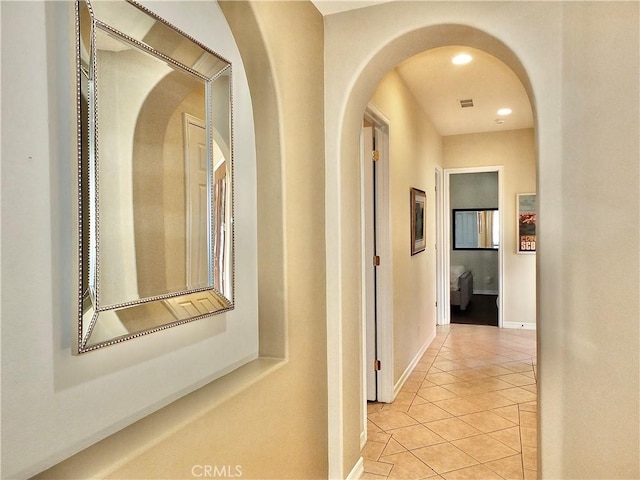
521 446
415 394
463 344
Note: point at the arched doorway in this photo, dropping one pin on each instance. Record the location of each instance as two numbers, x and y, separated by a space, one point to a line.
343 175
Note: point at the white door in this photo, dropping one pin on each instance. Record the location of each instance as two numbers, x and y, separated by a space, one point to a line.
369 193
196 203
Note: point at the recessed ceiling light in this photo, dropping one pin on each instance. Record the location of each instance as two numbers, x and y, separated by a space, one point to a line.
504 111
461 59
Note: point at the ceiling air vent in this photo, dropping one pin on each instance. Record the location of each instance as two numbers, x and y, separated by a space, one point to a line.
466 103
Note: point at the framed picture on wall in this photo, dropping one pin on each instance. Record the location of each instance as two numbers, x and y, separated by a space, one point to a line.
526 208
418 221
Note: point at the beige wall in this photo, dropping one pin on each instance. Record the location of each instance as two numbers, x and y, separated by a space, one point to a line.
514 150
283 416
269 417
415 149
589 321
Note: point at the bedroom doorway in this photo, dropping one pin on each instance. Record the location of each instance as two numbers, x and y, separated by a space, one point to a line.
474 240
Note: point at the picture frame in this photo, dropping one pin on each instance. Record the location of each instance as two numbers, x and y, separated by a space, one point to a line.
526 223
418 220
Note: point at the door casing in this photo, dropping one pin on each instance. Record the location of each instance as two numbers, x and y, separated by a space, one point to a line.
384 272
441 283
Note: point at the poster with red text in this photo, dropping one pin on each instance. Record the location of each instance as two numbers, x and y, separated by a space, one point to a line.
526 223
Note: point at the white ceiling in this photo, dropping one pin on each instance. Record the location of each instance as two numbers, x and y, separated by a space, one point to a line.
439 85
329 7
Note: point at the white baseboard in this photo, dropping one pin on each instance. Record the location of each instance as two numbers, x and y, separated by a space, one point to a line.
401 381
363 437
485 292
357 471
519 326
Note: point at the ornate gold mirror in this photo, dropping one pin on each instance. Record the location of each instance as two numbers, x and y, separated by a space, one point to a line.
155 176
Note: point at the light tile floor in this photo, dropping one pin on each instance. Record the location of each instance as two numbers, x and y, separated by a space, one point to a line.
468 411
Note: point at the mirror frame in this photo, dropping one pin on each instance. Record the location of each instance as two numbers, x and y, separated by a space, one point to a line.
453 228
88 305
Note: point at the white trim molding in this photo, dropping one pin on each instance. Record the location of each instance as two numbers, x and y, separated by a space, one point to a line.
519 326
357 471
409 370
442 282
363 434
486 292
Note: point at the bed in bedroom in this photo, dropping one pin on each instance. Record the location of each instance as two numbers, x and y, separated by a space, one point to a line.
461 286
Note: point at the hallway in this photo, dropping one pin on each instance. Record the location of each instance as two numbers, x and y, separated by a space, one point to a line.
468 411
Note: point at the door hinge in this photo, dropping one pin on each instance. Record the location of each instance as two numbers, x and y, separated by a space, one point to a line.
377 365
376 260
436 304
375 155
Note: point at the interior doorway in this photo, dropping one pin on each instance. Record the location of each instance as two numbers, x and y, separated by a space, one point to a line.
369 170
376 260
474 236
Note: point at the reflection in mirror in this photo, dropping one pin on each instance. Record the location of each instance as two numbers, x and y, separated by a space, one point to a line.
155 175
476 229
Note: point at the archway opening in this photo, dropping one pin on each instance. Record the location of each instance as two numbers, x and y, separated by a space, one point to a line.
355 103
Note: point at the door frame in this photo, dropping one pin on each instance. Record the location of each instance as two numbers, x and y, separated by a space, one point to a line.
368 234
441 283
384 272
189 121
447 236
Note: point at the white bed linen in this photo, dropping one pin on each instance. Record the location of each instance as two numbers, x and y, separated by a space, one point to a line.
454 277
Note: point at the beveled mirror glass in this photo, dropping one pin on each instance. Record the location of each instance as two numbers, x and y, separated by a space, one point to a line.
155 176
476 229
